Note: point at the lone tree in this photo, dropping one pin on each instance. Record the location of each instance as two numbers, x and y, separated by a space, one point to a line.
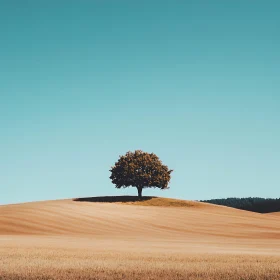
141 170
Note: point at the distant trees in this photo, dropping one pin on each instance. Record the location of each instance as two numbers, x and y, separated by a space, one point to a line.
254 204
141 170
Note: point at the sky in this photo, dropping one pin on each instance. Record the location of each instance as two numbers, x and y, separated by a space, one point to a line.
195 82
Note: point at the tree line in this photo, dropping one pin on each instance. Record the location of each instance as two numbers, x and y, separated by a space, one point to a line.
254 204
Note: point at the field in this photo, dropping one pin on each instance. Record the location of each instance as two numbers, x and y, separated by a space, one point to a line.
154 239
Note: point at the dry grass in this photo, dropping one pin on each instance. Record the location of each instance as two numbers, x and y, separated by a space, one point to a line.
46 263
144 201
164 202
273 214
93 240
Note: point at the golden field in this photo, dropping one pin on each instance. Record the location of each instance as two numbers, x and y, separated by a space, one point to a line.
153 239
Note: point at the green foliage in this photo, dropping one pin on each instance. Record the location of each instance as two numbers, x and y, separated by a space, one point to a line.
141 170
254 204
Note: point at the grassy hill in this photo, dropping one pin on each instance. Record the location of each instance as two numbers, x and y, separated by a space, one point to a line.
122 238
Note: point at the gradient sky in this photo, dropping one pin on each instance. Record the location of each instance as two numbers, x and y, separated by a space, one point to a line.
82 82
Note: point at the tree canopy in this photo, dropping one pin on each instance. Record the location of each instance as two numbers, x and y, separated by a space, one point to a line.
141 170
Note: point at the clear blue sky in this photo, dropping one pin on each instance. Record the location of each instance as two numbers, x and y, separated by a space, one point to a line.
82 82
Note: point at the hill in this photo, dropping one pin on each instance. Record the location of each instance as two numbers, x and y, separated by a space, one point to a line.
254 204
126 217
104 216
121 238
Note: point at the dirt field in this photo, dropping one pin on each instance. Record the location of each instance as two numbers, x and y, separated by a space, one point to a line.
69 239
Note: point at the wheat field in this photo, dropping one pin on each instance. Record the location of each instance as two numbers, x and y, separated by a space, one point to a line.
152 239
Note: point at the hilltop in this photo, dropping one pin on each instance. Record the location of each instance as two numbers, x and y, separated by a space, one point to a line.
145 201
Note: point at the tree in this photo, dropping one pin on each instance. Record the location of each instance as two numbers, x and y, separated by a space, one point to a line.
141 170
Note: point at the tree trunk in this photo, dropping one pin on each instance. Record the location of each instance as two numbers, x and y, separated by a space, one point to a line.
139 192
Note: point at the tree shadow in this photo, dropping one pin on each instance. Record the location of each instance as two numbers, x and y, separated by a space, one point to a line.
111 199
